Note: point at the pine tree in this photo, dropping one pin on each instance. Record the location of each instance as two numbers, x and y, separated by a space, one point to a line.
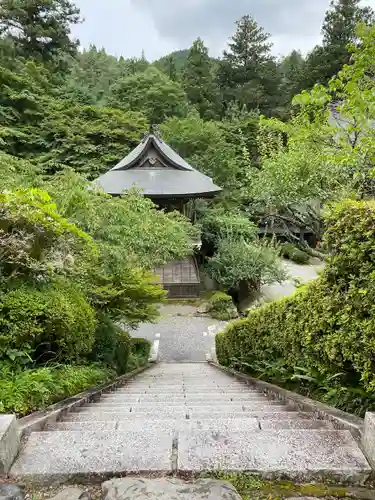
339 31
248 72
199 81
39 29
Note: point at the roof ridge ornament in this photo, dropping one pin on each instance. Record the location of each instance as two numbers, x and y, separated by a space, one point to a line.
154 129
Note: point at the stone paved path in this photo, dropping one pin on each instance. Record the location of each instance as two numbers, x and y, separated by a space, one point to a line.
180 335
190 418
302 273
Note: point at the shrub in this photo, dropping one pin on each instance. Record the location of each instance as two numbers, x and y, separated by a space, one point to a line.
236 261
220 306
140 348
291 252
112 345
122 352
219 225
54 321
36 241
32 390
328 326
139 353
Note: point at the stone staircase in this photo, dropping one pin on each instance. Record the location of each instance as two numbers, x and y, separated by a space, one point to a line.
189 418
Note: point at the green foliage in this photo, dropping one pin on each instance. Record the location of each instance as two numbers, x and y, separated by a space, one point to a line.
123 350
199 82
139 353
39 29
204 145
152 93
339 34
324 334
221 306
129 228
36 241
238 261
140 347
292 252
17 173
32 390
90 139
247 72
219 224
48 322
177 58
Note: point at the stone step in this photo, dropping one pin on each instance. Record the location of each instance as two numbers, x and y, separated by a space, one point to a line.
295 424
216 399
295 454
151 418
136 425
180 412
179 406
219 424
59 455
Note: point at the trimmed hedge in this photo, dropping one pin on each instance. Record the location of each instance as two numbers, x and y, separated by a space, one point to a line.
291 252
221 306
327 329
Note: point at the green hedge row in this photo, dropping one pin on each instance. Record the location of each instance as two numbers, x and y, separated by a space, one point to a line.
323 337
291 252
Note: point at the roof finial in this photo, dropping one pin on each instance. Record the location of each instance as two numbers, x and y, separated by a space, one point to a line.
154 129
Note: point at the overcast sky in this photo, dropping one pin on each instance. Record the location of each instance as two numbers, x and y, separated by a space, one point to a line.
126 27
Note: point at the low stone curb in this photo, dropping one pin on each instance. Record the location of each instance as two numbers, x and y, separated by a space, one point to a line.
340 419
38 420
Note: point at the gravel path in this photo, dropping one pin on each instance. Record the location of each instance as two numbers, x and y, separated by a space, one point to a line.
296 272
181 335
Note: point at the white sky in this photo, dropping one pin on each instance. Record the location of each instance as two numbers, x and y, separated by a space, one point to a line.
126 27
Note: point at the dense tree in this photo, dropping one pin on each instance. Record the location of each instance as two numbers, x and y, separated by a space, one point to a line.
39 29
199 81
248 72
152 93
177 59
339 32
291 70
88 138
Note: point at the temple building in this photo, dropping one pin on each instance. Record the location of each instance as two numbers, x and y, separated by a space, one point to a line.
162 175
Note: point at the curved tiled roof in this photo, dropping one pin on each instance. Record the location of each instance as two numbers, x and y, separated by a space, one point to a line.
130 160
178 180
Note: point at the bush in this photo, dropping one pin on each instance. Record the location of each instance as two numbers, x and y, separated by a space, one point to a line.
237 261
219 225
139 353
291 252
220 306
32 390
326 329
122 352
112 345
54 321
140 348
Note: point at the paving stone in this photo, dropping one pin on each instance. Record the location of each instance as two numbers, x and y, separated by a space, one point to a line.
297 454
168 489
71 493
11 492
53 455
